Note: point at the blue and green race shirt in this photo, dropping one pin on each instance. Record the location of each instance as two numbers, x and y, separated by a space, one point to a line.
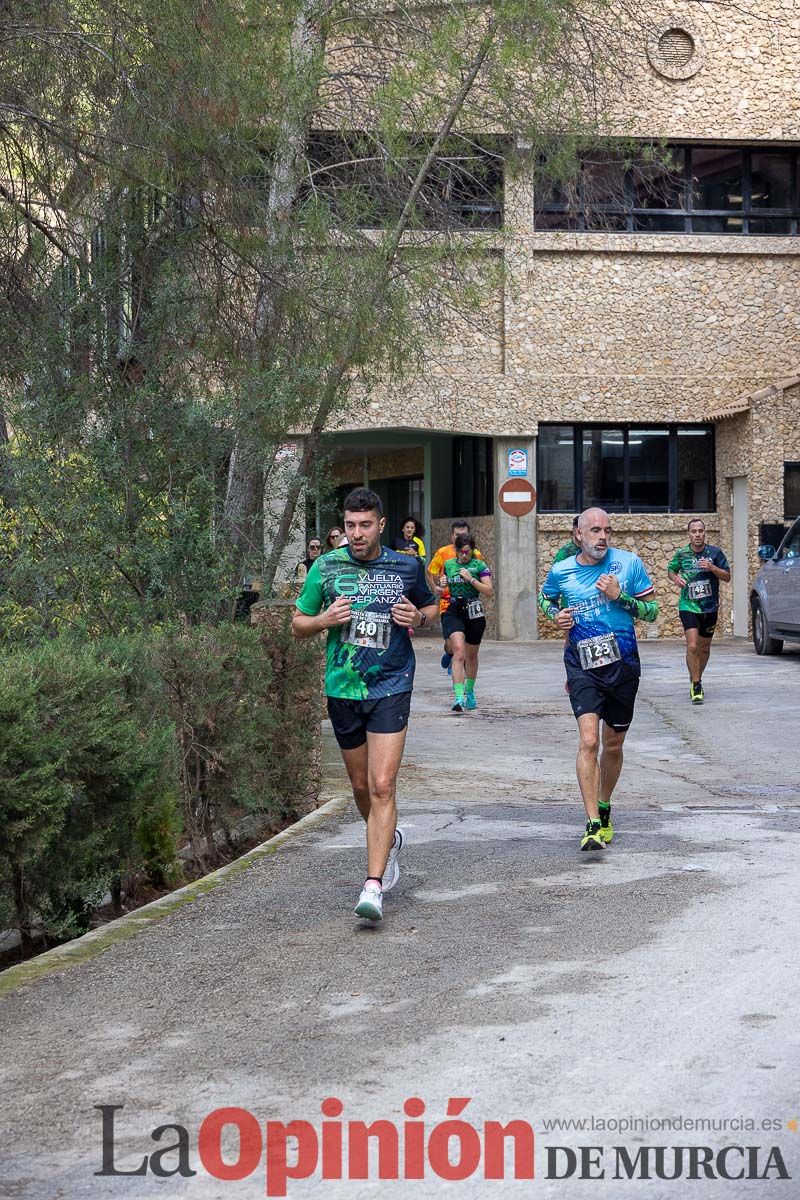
593 613
701 591
371 656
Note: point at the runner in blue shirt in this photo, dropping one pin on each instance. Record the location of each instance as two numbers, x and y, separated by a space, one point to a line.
605 589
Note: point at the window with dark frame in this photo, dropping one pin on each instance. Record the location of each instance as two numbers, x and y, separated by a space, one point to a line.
681 189
473 476
791 490
626 468
353 174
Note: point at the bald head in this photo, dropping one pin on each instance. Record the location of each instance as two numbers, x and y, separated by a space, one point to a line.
594 527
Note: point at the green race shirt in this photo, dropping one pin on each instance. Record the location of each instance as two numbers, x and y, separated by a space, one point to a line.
370 657
701 592
459 589
568 550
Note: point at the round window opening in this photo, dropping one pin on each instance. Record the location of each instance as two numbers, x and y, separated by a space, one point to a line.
675 48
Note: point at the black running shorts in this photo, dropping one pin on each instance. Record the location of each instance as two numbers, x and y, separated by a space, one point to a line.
705 623
352 720
455 620
613 703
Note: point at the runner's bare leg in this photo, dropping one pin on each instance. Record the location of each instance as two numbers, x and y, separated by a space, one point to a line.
587 766
610 761
385 753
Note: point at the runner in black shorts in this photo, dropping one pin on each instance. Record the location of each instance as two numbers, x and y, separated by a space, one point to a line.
367 598
469 581
696 570
605 589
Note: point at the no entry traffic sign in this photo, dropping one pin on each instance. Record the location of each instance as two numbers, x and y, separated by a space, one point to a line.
517 497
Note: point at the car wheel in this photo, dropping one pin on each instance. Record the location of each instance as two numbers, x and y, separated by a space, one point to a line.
763 643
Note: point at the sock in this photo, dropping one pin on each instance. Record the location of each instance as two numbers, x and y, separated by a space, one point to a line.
374 879
470 685
592 826
458 688
604 804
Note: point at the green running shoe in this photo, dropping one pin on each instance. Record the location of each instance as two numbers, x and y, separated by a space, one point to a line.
696 693
606 828
592 840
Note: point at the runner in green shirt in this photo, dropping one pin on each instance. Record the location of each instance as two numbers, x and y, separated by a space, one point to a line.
469 581
570 548
696 570
367 598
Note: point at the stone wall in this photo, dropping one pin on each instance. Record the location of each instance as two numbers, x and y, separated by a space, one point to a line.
389 464
755 443
654 537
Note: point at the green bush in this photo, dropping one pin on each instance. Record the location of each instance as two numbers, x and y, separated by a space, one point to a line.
245 739
80 775
114 753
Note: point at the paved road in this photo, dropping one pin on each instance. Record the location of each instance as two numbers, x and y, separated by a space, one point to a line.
660 981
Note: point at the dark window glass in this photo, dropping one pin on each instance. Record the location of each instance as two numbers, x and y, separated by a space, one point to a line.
353 174
614 222
603 468
717 224
770 226
770 181
648 468
791 490
731 190
659 184
717 178
696 470
556 470
603 181
555 220
473 476
660 467
659 223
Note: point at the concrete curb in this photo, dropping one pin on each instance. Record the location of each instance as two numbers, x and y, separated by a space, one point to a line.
97 940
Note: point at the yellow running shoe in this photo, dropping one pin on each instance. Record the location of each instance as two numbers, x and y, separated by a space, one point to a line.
592 840
606 828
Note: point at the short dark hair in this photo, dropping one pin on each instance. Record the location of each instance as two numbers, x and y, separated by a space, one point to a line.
363 500
459 525
464 539
696 521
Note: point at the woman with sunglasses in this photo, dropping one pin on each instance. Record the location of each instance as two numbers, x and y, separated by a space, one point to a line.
313 551
332 539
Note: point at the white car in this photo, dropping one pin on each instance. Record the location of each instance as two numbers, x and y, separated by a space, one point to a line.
775 595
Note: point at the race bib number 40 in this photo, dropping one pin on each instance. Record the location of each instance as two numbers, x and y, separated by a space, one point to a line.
371 630
598 651
699 589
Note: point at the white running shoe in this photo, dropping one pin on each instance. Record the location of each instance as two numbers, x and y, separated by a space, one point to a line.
392 872
370 903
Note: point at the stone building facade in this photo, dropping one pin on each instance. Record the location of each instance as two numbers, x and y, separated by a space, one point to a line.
688 327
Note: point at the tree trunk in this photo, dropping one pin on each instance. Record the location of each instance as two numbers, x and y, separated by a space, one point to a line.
245 489
339 371
22 911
